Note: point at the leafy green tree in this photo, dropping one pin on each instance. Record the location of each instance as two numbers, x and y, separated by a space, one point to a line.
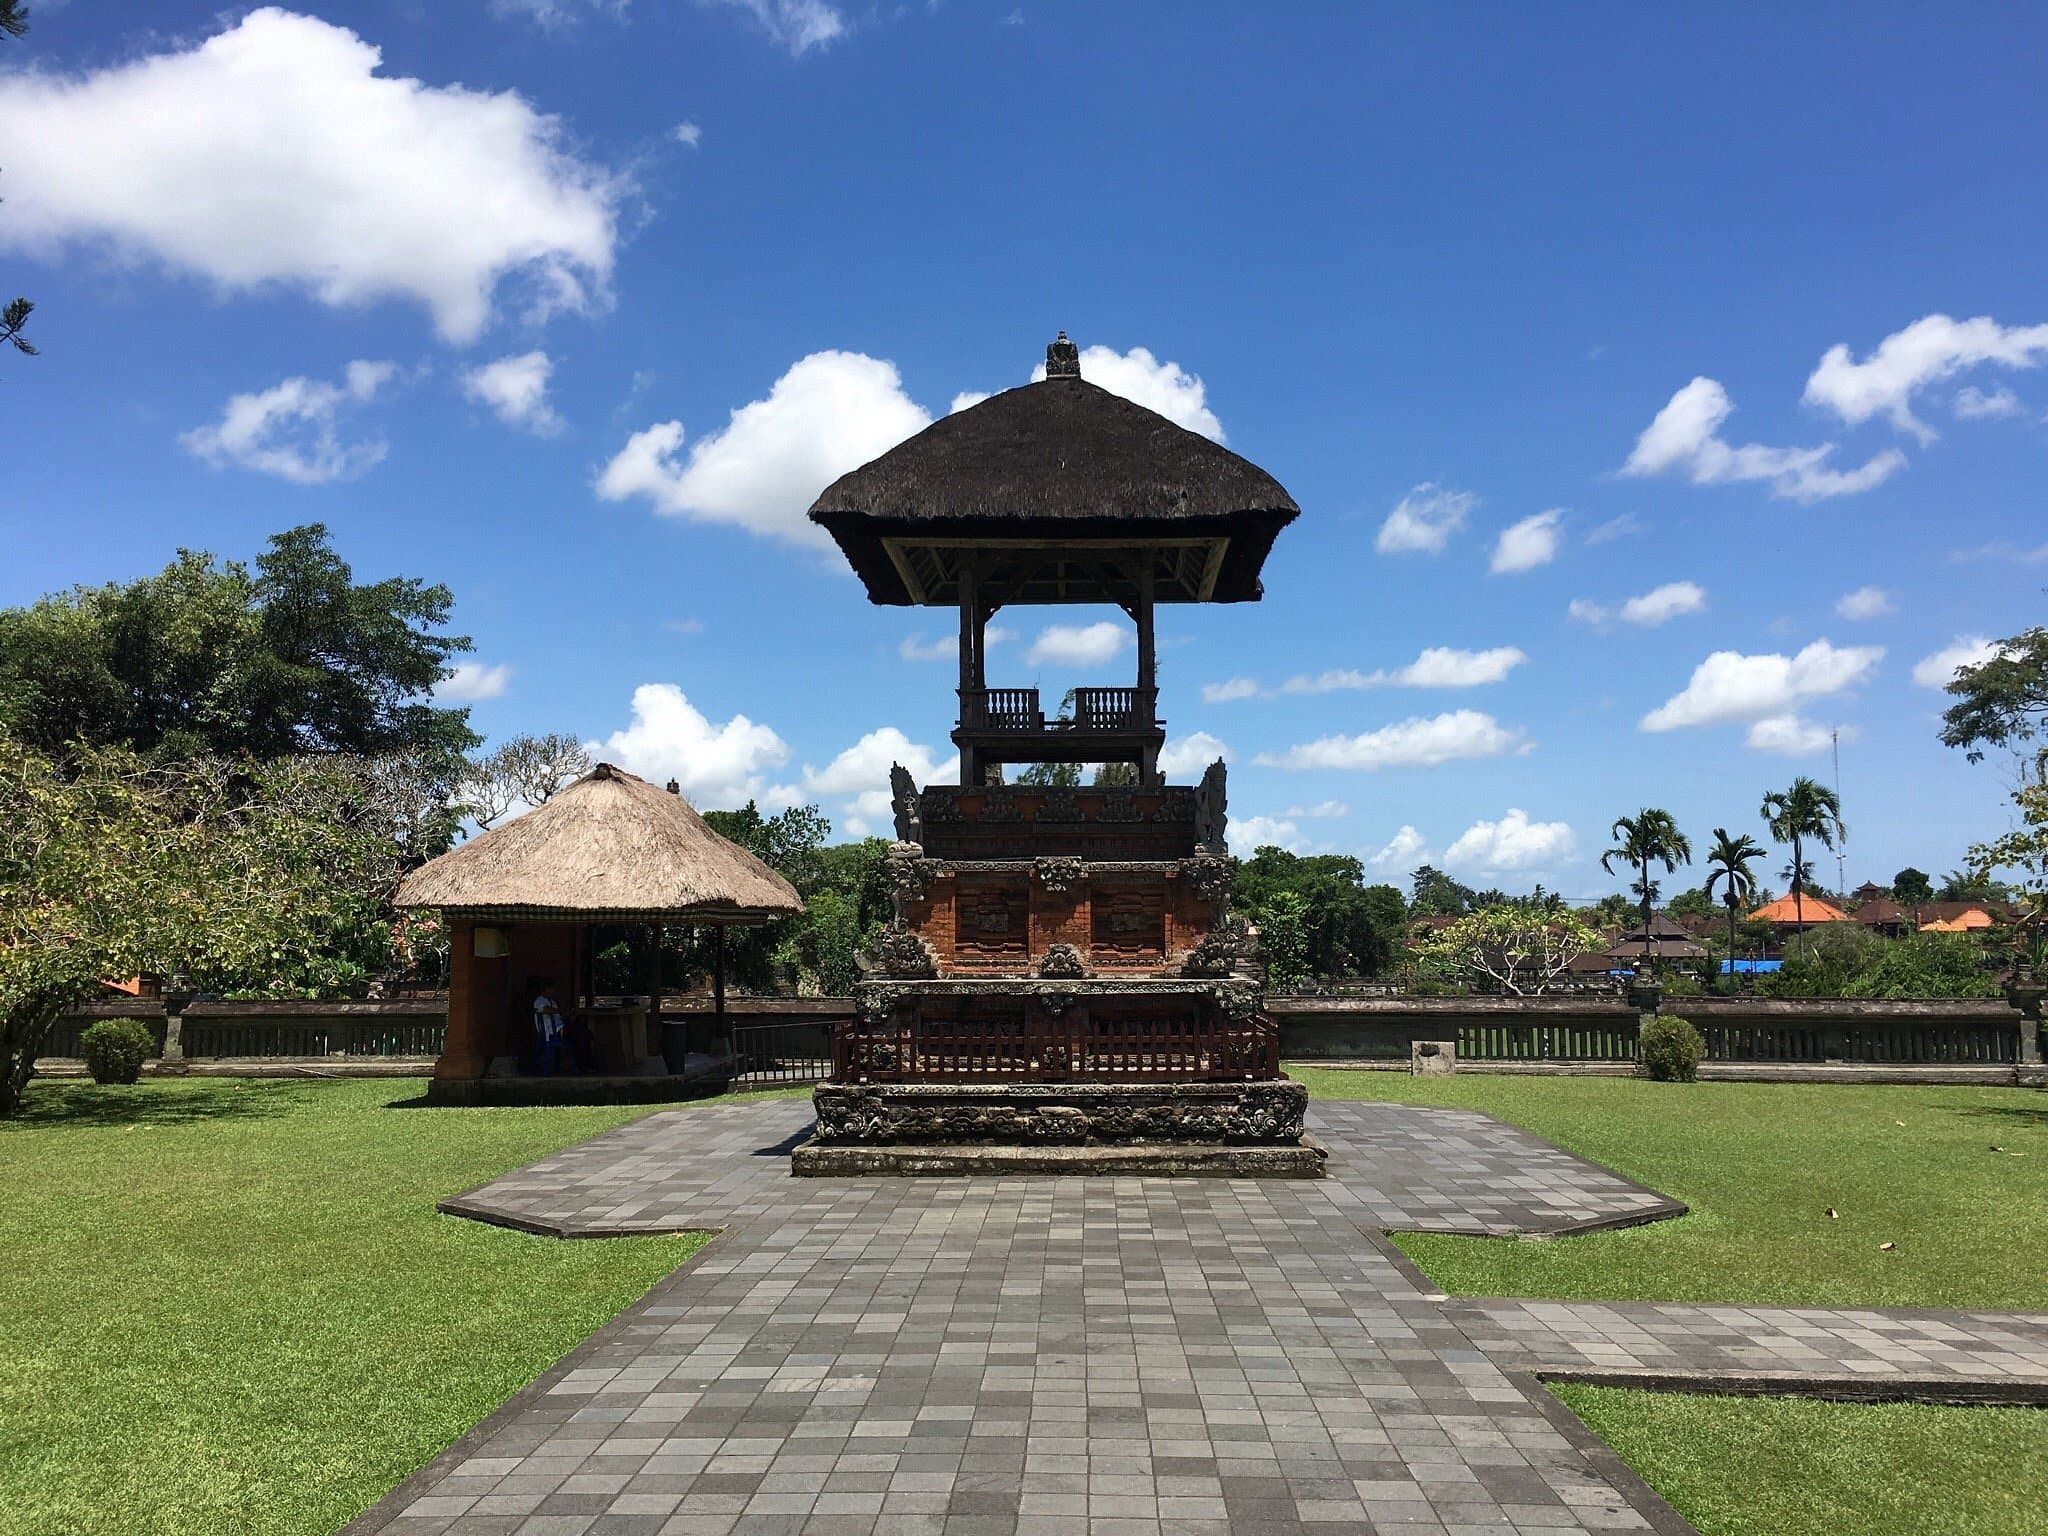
1912 888
1613 910
523 770
1731 866
1283 940
1116 775
251 878
1050 775
1434 893
1847 960
1974 884
212 656
2003 701
1808 810
1651 836
1698 901
1521 947
1350 928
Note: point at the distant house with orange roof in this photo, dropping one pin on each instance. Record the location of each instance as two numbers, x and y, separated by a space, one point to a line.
1809 910
1969 920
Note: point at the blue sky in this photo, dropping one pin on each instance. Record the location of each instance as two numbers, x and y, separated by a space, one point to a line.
1535 312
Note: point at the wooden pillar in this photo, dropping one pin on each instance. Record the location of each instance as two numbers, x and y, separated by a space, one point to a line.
718 980
973 675
1148 655
654 989
462 1048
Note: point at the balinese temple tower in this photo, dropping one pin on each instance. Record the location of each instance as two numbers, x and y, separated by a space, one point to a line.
1062 985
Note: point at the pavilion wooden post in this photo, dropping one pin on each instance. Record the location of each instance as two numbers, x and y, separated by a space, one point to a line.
462 1053
718 980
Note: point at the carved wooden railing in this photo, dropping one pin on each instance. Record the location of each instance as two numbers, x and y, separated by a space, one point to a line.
1001 709
1113 709
1095 709
1047 1048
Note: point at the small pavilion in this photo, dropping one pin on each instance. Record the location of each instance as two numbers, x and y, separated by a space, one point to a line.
1664 939
523 902
1806 912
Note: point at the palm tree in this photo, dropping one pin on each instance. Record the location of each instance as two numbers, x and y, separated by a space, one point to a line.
1648 837
1728 864
1807 809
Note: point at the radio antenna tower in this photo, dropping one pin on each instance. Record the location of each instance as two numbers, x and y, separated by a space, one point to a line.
1835 741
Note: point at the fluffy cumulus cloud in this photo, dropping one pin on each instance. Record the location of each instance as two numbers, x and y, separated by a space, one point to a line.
471 681
1931 349
1657 606
1864 603
716 764
1685 439
1079 645
857 780
1529 543
798 25
1165 387
1421 742
276 153
1766 692
294 429
1423 521
1514 843
1249 833
687 134
1974 404
831 412
1939 669
1402 852
515 389
1189 756
1437 666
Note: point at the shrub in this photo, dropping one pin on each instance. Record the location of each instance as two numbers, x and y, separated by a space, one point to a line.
1672 1049
115 1050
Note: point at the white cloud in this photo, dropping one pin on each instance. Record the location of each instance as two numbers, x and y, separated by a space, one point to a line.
947 647
1512 843
831 412
965 398
1405 850
1932 348
687 134
1792 736
516 390
1249 833
1657 606
1438 666
1424 520
472 680
293 429
274 153
798 25
1614 528
717 765
1414 743
1685 439
685 626
1137 375
1232 688
1529 543
1322 810
1864 603
1079 645
555 14
2001 550
1974 404
1188 757
1766 692
1939 670
861 772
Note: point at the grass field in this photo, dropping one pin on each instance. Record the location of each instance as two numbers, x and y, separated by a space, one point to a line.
1781 1466
230 1306
1955 1178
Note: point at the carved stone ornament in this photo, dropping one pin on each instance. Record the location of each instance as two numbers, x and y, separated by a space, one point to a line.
1000 805
909 874
1208 875
1224 950
1118 805
1063 962
1054 1001
1060 805
897 952
941 803
1060 874
1211 800
903 798
1266 1113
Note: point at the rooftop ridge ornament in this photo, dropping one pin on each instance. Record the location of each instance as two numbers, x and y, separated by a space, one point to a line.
1063 359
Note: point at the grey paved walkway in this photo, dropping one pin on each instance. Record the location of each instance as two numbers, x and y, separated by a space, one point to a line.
1031 1356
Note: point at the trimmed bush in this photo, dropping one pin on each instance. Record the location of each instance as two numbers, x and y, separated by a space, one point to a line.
115 1049
1672 1049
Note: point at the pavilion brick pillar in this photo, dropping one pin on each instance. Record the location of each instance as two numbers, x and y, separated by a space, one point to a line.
462 1049
2025 993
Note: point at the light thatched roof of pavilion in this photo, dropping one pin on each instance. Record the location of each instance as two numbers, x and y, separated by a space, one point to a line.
608 848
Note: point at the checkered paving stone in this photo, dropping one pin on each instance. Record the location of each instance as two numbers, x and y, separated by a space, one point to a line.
1037 1356
1849 1351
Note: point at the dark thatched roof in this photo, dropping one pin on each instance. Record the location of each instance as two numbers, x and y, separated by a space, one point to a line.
1063 461
609 847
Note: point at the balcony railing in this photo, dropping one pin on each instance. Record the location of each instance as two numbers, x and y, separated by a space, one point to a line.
1095 710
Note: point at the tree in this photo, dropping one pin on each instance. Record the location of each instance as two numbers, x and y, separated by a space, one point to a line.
13 23
1729 866
1807 809
1696 902
2002 701
1649 837
2025 849
1349 927
1912 888
524 770
1051 775
209 656
1116 776
1432 892
252 878
1283 940
1521 946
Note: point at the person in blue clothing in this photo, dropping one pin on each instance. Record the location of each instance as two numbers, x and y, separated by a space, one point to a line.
549 1031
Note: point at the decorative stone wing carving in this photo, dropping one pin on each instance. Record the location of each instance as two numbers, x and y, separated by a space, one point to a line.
1210 805
903 796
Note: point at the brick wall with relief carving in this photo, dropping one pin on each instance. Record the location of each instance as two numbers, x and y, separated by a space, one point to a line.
1003 923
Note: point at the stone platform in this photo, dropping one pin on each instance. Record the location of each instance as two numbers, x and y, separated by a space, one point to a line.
1301 1159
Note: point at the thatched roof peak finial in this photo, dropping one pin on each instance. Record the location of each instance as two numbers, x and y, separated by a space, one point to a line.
1063 359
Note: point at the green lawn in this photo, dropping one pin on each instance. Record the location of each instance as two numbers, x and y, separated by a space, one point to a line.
1956 1178
1782 1466
231 1307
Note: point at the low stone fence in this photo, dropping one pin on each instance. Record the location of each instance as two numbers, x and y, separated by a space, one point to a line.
789 1037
